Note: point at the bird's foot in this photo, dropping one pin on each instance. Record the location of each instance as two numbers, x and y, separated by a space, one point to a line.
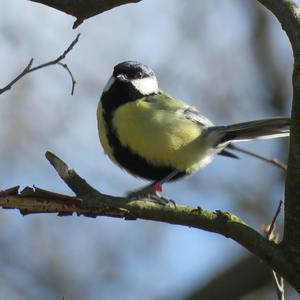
150 193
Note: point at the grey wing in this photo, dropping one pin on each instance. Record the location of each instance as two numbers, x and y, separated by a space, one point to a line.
191 113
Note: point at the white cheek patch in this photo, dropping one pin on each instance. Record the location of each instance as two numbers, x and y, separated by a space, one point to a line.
110 82
146 86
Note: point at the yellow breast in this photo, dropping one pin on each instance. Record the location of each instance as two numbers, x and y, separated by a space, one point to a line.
160 136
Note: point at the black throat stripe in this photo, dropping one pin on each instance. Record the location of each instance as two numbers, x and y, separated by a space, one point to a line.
131 161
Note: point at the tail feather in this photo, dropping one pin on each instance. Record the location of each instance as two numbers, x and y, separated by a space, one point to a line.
228 153
260 129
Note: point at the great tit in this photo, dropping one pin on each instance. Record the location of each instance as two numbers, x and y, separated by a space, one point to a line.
157 137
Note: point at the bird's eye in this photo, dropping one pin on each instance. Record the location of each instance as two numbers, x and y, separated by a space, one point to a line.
139 75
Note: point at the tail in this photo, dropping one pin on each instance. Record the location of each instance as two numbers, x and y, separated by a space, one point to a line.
260 129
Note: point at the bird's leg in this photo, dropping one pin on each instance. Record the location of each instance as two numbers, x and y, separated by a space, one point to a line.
151 191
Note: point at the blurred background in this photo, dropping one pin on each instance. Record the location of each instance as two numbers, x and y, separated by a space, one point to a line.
229 58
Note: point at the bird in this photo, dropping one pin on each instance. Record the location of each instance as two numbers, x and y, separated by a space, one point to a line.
157 137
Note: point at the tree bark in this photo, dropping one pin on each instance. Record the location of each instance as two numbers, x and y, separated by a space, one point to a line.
288 14
91 203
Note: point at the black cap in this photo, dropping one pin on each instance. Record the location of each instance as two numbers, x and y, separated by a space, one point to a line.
133 70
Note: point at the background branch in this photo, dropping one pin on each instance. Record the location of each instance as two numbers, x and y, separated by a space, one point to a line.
274 161
278 280
57 61
84 9
249 272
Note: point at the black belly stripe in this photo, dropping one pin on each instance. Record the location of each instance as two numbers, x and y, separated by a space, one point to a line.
134 163
131 161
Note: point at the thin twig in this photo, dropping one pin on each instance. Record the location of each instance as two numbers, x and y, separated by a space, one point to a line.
279 283
23 73
65 66
271 228
28 69
274 161
278 280
58 59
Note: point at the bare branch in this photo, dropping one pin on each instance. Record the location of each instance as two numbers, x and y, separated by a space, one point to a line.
36 200
269 231
274 161
23 73
71 75
272 225
90 202
83 9
28 69
279 285
288 14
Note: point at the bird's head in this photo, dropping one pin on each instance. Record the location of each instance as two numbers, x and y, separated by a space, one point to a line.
136 77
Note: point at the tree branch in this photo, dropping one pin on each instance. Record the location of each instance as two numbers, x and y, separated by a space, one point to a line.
234 282
84 9
274 161
288 14
57 61
91 203
278 280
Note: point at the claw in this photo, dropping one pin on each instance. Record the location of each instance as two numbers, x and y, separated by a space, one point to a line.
150 193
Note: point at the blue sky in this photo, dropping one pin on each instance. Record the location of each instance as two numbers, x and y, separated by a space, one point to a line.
202 55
